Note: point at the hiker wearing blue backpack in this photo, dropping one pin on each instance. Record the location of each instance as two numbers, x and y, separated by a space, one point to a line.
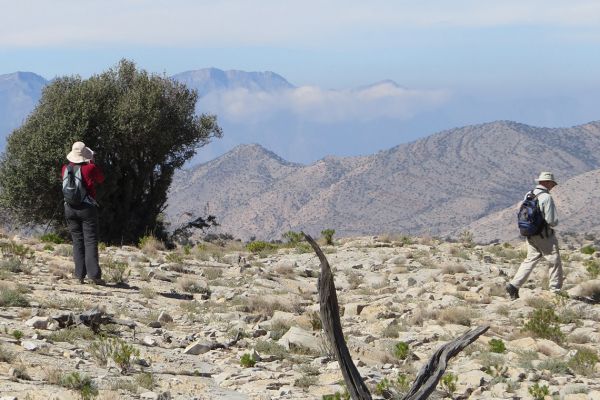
536 218
80 177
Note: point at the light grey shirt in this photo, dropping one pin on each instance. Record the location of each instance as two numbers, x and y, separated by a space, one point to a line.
546 205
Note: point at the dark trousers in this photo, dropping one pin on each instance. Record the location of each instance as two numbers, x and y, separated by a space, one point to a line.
83 224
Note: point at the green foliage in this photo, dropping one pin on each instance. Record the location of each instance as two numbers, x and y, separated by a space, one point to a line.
544 323
247 360
328 235
382 388
584 361
589 249
115 271
72 334
17 334
293 237
337 396
538 392
52 238
592 267
83 384
142 127
260 246
497 346
12 298
401 350
122 353
448 383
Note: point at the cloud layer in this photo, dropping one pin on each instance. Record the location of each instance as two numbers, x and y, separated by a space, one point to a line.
314 104
205 23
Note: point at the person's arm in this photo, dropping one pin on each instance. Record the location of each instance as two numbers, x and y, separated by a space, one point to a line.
98 175
549 210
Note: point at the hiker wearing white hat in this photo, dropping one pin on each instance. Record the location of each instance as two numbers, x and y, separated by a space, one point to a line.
80 177
543 244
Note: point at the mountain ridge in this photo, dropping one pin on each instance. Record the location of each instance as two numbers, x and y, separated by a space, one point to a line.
430 186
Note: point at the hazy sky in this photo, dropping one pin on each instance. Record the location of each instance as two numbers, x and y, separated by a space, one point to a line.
458 62
425 44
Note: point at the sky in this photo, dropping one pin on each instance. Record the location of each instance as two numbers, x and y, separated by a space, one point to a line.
535 61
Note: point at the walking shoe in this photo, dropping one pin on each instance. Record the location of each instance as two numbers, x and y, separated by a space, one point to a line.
99 282
512 291
82 280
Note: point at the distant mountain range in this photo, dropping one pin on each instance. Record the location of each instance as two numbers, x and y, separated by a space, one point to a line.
437 185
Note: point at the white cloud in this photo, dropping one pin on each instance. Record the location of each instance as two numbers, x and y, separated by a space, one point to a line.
384 100
205 23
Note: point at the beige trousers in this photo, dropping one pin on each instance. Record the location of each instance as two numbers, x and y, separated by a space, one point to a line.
538 247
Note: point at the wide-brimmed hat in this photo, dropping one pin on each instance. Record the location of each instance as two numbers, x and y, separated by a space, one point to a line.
545 177
79 153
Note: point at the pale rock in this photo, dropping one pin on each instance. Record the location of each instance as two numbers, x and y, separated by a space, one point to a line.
526 344
164 318
38 322
198 347
549 348
31 345
473 378
353 309
8 398
296 336
576 396
149 341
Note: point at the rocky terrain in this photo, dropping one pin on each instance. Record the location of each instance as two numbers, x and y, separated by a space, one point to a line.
433 186
217 321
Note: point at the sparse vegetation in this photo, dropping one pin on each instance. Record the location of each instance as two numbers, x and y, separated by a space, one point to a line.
247 360
538 392
544 323
328 235
588 249
12 297
52 238
81 383
497 346
115 271
584 361
401 350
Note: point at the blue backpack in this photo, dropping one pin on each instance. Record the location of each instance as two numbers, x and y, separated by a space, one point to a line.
530 218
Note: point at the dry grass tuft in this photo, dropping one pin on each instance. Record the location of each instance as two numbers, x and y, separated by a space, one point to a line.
452 269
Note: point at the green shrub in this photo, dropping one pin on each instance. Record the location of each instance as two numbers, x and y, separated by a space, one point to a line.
260 246
72 334
544 323
538 392
589 249
146 380
448 383
584 361
52 238
17 334
82 383
115 271
328 235
122 353
247 360
292 237
401 350
12 264
12 298
382 388
305 381
497 346
592 267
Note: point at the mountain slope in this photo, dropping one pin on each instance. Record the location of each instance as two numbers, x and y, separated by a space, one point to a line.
19 93
432 186
575 199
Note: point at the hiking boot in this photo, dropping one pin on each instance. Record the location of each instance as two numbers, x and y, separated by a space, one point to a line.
512 291
99 282
82 280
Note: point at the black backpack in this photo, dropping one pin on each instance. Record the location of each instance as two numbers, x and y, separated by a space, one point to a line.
530 220
74 191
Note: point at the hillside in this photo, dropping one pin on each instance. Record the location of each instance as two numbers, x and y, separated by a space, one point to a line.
195 313
435 185
575 199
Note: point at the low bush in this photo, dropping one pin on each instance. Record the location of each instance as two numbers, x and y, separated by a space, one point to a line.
52 238
589 249
584 361
401 350
497 346
260 246
247 360
544 323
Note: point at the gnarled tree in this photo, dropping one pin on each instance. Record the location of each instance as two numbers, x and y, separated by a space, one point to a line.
142 127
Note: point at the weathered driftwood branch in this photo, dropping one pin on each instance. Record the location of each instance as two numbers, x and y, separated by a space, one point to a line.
92 318
330 318
431 373
428 377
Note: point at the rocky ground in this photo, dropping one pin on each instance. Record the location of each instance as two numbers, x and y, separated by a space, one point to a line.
221 322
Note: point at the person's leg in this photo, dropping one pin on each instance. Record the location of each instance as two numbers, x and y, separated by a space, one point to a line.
90 235
75 227
533 256
550 250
